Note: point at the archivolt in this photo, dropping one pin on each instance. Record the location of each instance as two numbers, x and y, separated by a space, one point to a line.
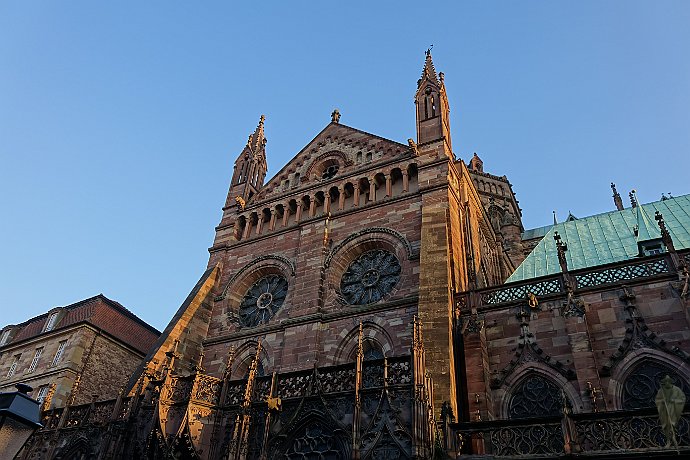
366 231
282 263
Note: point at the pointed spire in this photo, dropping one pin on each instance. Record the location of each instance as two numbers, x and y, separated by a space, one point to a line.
645 229
617 197
555 221
257 139
429 72
633 198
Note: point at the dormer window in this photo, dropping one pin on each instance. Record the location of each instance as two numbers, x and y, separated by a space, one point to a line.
650 248
51 322
5 337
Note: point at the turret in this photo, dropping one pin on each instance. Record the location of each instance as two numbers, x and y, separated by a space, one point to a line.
433 111
250 168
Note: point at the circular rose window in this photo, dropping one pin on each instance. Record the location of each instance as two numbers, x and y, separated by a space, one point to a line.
370 277
263 300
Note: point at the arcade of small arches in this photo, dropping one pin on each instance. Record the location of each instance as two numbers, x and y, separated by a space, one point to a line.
350 193
489 187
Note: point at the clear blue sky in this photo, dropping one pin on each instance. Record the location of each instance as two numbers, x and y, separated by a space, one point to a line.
120 121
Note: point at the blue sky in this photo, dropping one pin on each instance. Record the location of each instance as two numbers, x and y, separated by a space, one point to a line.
120 121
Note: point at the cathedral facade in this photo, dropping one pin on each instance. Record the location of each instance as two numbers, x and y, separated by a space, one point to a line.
354 306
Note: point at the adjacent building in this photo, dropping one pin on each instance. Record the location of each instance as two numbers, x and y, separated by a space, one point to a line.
74 354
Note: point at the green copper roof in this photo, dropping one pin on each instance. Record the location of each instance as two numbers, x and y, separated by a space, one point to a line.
606 238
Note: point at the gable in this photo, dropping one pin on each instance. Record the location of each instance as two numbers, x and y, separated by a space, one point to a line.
340 147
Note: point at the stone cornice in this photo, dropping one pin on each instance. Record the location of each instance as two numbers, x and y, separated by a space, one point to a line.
349 312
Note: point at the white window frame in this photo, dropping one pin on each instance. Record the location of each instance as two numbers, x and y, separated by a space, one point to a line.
42 393
59 352
51 322
5 337
13 367
34 361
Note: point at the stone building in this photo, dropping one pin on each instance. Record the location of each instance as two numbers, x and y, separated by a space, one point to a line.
354 306
73 354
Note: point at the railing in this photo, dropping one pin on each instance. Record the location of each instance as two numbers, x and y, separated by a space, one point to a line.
592 433
626 271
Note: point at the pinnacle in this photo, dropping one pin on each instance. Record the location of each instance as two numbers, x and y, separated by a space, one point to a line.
429 72
257 139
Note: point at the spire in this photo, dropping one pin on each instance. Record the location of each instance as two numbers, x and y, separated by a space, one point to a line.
633 198
476 163
617 197
555 221
257 140
645 229
433 111
429 71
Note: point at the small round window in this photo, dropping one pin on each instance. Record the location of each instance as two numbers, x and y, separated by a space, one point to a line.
370 277
263 300
330 172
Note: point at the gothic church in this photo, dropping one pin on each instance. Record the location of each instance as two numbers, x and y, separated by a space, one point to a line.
354 306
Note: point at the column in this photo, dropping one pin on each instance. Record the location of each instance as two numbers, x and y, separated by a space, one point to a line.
406 181
341 198
388 186
372 189
272 224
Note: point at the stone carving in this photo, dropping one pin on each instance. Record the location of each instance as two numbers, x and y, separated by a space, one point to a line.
335 116
283 263
239 201
263 300
373 231
370 277
670 401
413 146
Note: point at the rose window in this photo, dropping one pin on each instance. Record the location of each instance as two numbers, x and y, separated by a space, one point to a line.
263 300
330 172
370 277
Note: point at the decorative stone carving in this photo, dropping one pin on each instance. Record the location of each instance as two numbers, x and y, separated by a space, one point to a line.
263 300
370 277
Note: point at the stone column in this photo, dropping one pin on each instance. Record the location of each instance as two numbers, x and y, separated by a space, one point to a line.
372 189
286 214
406 181
388 186
272 224
356 197
341 198
312 206
260 223
247 228
298 214
326 203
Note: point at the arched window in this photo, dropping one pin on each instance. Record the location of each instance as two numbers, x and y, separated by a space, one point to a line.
642 384
535 396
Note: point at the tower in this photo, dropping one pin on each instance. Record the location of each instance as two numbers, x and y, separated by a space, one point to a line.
250 167
433 111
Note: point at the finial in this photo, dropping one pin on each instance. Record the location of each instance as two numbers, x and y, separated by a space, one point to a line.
262 118
555 221
335 116
633 198
561 247
428 50
617 197
665 235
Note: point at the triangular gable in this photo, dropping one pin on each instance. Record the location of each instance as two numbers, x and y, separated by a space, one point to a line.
189 316
335 137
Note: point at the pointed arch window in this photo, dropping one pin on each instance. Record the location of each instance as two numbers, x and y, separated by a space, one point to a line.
535 396
642 384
